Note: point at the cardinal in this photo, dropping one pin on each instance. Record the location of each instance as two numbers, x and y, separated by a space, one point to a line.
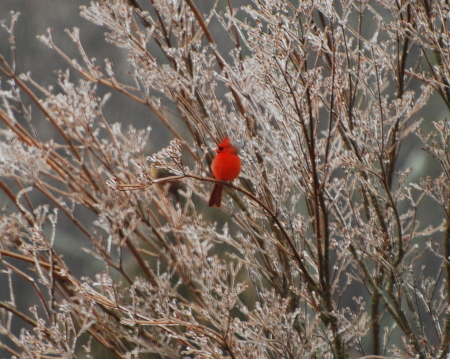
226 166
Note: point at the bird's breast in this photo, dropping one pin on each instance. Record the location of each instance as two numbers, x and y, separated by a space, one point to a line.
226 166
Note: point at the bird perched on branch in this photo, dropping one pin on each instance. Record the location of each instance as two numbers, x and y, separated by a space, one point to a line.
226 166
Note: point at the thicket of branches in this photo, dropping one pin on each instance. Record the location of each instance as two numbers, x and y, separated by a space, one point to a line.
321 248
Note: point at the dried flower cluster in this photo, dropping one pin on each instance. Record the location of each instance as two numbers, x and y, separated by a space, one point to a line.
322 249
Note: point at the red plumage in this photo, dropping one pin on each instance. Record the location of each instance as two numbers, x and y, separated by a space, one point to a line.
226 166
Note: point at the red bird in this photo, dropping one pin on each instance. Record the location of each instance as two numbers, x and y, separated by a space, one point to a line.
226 166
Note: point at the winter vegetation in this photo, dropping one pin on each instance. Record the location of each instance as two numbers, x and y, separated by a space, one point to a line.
334 241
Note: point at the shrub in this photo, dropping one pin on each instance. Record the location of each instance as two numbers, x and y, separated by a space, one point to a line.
330 244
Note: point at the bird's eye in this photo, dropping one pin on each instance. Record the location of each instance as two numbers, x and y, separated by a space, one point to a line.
220 148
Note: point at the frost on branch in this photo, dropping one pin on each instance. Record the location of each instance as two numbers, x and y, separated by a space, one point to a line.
169 158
